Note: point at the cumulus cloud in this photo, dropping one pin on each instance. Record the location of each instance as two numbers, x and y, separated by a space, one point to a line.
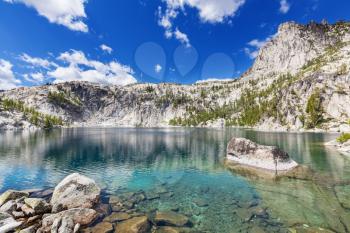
158 68
211 11
80 68
69 13
36 78
182 37
106 48
255 45
7 77
284 6
37 62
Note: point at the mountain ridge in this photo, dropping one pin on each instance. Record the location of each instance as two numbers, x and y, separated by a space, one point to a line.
299 81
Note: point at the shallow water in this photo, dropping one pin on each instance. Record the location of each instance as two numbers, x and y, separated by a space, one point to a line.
188 165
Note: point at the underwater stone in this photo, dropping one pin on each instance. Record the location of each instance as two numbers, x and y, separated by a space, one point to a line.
117 217
134 225
102 227
170 218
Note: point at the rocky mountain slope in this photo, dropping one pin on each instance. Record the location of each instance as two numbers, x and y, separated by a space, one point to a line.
300 80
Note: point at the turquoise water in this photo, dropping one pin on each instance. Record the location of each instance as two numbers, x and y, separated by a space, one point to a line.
188 165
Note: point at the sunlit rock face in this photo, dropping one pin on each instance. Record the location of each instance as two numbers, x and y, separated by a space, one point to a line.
292 47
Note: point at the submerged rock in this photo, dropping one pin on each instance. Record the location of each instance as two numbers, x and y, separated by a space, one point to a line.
75 191
134 225
173 230
102 227
170 218
310 230
343 195
249 153
117 217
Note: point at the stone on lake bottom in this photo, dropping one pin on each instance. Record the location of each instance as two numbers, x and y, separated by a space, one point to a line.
117 217
170 218
343 194
134 225
173 230
102 227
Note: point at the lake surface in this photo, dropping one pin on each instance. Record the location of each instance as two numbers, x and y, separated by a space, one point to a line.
189 165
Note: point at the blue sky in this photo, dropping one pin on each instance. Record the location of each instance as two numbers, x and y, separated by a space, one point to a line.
127 41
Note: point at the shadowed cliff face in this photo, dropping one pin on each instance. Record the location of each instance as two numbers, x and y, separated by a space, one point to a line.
300 80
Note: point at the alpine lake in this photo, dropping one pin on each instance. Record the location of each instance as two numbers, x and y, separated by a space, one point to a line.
182 170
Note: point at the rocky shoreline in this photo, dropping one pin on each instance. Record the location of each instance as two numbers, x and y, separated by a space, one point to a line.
75 205
343 148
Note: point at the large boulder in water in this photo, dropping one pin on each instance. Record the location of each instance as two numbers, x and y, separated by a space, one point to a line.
249 153
75 191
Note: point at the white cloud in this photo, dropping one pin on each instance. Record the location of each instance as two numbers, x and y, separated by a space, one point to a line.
158 68
211 11
256 45
81 68
69 13
7 78
182 37
37 62
37 78
106 48
285 6
252 53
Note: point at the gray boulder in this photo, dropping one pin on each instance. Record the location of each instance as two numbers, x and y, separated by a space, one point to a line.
75 191
8 223
30 229
80 216
12 195
9 206
249 153
39 205
67 225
